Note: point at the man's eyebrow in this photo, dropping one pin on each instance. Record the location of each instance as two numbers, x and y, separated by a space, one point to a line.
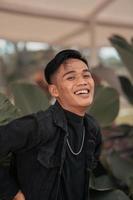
86 70
70 72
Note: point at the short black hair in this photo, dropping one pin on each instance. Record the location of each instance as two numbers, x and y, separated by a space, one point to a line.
59 59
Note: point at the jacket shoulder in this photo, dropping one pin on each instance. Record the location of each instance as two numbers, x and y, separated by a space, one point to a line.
46 122
43 114
93 123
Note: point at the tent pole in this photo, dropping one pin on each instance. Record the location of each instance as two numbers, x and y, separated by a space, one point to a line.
93 53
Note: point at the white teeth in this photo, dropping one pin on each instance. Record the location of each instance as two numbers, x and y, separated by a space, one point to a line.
82 92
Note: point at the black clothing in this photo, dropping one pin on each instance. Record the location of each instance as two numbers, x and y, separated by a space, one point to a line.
38 143
72 185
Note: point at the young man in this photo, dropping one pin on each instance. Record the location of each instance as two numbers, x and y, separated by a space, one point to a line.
54 150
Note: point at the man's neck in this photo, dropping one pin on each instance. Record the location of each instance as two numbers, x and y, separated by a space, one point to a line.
78 111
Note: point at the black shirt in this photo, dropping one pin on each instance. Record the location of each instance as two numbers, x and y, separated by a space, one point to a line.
73 175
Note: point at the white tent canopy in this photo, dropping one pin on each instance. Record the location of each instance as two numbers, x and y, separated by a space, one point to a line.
78 23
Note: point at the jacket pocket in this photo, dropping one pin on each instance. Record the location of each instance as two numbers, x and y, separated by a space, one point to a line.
48 158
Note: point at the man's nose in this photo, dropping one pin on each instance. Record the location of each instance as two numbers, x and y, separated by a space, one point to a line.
81 81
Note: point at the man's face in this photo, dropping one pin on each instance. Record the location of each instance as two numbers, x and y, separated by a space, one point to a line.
73 86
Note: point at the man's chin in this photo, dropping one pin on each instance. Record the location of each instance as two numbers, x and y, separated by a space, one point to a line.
86 104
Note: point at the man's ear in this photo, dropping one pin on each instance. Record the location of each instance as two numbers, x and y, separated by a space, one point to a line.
53 90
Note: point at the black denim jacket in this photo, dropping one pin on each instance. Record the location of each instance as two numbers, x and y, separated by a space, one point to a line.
38 145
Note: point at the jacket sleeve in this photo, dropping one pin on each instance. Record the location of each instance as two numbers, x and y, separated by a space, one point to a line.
99 169
8 184
98 145
19 134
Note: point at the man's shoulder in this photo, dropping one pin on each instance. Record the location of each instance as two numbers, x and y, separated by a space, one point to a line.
44 115
92 121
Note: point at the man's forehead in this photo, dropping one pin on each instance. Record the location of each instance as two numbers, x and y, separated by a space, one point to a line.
74 64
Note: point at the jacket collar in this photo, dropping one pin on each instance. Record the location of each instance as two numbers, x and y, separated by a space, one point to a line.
59 116
60 119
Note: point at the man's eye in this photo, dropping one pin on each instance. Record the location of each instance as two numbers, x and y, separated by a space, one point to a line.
87 75
70 78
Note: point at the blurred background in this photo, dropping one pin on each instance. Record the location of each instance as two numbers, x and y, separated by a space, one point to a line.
32 32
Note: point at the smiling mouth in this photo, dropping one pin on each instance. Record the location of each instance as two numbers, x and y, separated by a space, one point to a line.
83 91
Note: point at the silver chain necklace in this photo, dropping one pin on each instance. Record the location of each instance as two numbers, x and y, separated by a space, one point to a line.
77 153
